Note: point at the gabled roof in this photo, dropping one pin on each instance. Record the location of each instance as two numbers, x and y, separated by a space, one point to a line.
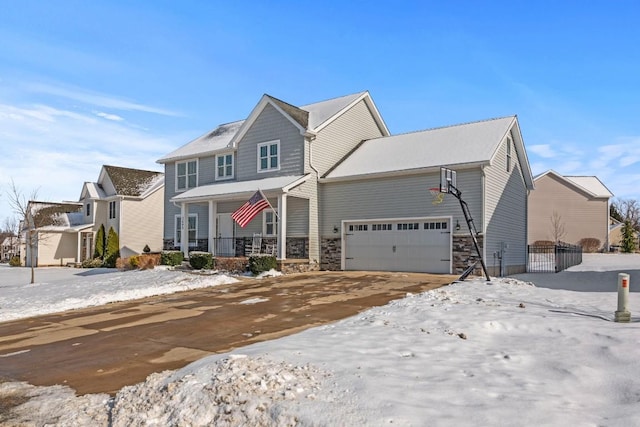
214 141
48 215
132 182
308 119
93 190
459 145
588 184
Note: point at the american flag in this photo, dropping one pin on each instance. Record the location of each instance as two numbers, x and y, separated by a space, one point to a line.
245 213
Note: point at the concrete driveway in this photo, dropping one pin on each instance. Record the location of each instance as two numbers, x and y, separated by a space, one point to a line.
102 349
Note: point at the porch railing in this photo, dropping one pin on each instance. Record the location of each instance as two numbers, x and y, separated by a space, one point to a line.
297 247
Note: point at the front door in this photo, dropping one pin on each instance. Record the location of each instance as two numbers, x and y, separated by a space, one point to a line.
225 245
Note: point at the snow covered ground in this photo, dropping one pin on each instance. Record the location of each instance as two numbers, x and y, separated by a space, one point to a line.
473 353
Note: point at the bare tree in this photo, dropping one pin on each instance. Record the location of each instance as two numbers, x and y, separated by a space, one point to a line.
558 230
19 203
10 230
628 210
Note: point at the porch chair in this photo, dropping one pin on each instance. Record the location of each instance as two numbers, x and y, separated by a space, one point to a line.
254 247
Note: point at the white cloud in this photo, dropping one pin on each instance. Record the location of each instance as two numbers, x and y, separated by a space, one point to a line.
108 116
94 98
543 150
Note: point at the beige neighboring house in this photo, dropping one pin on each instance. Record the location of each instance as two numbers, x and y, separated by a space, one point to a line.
128 200
50 234
615 234
569 208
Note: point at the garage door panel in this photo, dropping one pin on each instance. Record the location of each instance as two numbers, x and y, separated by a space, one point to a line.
417 245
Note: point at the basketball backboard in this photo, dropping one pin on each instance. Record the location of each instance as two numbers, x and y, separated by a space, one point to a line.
447 179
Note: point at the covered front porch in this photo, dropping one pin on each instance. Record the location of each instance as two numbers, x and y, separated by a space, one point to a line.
203 221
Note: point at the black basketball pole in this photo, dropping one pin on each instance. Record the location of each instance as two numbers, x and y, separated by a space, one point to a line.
472 231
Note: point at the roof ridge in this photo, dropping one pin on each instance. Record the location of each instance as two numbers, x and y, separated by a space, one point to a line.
448 126
334 98
132 169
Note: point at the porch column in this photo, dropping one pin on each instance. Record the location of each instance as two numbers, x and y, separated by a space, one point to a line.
213 213
282 226
78 258
184 232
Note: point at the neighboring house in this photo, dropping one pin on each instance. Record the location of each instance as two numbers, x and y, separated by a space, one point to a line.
50 233
346 194
128 200
615 234
568 209
9 247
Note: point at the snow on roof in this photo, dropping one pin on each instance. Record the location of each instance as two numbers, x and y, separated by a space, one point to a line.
134 182
592 184
240 188
459 144
56 216
320 112
94 190
215 140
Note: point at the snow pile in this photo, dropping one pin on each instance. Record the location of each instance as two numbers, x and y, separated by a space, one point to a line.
233 391
85 288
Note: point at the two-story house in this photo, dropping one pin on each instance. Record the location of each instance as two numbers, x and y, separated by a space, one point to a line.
345 194
128 200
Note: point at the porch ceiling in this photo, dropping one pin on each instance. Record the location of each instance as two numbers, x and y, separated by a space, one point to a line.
240 189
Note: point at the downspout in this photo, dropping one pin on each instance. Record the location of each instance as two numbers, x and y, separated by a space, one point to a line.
483 184
311 137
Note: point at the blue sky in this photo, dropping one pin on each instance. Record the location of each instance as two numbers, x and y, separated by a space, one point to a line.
87 83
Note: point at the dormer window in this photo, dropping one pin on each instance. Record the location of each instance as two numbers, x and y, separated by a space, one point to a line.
186 175
269 156
224 166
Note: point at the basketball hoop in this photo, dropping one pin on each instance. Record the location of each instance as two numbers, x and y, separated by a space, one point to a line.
438 196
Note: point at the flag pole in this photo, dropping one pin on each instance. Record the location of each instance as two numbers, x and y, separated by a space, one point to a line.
269 203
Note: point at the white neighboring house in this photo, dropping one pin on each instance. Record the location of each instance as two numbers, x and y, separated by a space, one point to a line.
9 248
348 194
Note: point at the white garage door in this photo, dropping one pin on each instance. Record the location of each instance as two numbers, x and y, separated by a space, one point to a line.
415 245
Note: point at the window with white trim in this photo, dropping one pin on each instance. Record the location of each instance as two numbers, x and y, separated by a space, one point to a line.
224 166
269 223
186 175
192 230
112 209
269 156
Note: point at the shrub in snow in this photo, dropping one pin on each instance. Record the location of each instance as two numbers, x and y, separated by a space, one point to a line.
15 261
148 261
262 262
112 252
92 263
200 260
100 243
171 258
590 244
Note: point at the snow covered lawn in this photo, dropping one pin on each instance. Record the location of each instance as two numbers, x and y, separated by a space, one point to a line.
473 353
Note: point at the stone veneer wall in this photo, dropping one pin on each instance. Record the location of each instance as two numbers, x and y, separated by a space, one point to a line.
330 253
463 254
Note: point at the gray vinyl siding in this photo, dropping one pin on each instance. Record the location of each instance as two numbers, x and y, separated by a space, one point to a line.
506 210
308 192
397 197
297 217
206 170
581 214
338 138
269 126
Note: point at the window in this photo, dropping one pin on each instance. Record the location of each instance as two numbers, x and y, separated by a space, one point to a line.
224 166
508 154
269 156
112 209
192 230
269 223
186 175
88 209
